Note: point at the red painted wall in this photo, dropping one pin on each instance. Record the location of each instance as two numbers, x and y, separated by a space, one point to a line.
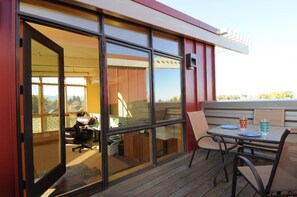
8 139
199 82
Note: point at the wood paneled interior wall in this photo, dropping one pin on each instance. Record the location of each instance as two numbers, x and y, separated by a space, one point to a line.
199 82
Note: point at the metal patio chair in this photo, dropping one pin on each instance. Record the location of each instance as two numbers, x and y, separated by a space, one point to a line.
208 142
276 117
272 180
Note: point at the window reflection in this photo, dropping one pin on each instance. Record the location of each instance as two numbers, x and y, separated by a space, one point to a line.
166 43
126 31
128 152
167 80
168 141
128 84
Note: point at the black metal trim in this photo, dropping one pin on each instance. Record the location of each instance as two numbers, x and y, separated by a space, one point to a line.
103 74
37 188
56 24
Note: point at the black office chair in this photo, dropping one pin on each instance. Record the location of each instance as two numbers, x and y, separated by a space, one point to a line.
76 135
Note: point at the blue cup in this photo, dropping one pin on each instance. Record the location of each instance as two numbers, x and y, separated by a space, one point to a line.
264 126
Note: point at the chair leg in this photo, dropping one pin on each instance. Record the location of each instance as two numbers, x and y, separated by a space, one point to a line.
207 154
225 159
196 147
225 164
81 147
234 178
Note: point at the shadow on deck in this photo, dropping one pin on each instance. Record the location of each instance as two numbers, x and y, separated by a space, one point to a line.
176 179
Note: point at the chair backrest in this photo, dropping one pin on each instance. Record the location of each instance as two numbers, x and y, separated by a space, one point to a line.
76 129
198 123
276 117
284 172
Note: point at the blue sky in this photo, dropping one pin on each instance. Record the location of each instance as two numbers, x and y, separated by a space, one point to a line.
271 26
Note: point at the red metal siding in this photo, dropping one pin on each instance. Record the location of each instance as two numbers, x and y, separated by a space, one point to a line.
210 74
201 72
199 82
8 140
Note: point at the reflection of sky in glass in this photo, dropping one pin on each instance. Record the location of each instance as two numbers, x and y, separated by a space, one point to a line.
116 49
169 46
167 84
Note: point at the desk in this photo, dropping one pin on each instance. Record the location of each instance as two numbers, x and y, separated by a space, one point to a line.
97 134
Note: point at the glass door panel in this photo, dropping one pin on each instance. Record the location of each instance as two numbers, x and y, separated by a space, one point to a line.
43 118
45 62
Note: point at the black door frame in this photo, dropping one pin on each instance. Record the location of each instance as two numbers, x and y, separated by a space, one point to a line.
37 188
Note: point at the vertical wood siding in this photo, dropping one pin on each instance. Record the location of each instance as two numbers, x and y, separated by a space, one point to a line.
199 82
8 132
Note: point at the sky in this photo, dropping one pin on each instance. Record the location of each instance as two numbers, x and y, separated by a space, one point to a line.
270 25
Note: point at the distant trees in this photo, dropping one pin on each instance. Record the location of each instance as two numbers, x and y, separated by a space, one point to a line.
74 103
50 104
277 95
35 104
231 97
271 95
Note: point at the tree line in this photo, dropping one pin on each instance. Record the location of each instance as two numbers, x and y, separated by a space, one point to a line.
271 95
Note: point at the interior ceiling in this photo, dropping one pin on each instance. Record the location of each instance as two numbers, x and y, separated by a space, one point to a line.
81 54
75 45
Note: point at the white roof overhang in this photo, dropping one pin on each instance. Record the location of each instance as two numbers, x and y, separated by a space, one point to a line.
157 19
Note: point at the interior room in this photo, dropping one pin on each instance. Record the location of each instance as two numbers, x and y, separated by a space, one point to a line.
127 152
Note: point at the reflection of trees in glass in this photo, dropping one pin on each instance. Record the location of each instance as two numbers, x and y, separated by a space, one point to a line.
173 99
35 104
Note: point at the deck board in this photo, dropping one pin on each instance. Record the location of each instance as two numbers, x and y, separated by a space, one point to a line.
175 179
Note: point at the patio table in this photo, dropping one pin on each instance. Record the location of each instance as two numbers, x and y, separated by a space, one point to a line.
272 137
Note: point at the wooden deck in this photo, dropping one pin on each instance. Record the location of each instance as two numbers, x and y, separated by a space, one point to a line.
176 179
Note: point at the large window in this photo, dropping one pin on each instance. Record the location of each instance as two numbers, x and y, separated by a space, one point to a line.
60 13
75 94
45 103
125 31
128 84
165 43
128 153
168 141
167 80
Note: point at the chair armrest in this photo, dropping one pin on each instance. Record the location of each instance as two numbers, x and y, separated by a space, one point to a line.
253 169
217 139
